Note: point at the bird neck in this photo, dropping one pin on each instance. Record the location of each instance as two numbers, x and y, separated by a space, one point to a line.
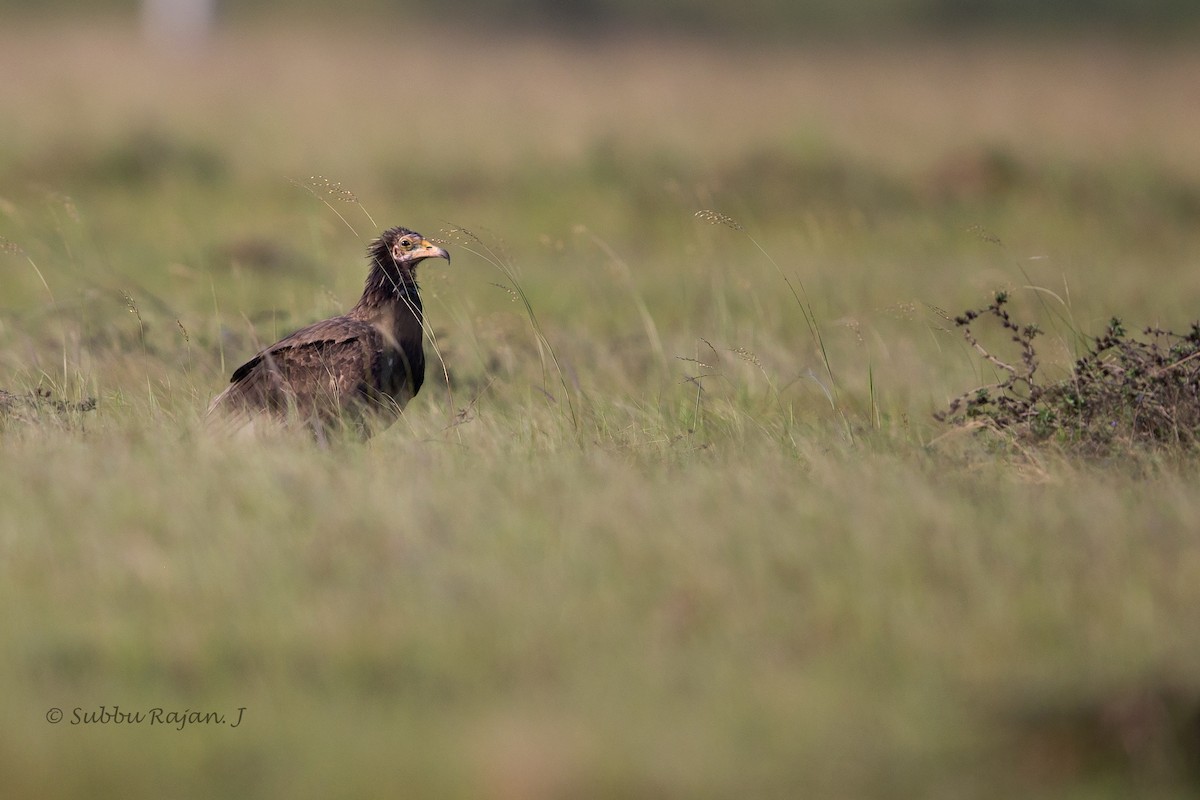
387 292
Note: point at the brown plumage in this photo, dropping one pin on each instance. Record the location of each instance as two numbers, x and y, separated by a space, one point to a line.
360 368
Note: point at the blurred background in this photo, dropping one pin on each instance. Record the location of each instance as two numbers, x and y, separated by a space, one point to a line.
756 17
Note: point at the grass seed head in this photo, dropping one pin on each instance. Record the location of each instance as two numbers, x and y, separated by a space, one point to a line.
319 184
717 218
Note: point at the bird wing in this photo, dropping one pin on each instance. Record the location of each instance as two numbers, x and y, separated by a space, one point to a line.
319 369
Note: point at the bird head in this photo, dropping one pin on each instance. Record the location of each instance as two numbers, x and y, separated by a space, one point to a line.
408 248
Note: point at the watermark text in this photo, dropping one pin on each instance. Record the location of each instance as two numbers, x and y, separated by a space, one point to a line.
153 717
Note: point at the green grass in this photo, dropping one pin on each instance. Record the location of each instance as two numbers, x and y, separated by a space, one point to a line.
681 523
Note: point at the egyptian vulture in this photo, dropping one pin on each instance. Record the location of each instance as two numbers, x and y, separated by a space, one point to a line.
358 369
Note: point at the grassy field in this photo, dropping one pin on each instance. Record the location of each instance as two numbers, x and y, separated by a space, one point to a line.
672 516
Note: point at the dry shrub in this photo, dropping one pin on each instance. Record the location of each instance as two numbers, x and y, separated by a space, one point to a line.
1125 391
38 403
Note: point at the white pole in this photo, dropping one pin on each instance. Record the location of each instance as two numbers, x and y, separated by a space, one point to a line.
175 23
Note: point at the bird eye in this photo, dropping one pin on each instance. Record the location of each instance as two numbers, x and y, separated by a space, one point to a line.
406 244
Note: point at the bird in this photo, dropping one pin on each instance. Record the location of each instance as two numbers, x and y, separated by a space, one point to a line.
356 370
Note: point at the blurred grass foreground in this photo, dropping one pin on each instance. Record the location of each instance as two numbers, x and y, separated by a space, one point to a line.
672 516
